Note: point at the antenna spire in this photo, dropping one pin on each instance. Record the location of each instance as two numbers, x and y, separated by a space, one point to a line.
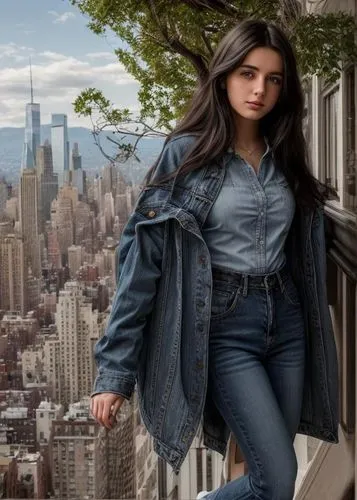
31 81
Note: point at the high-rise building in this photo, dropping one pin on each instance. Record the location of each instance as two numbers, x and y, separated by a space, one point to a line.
77 176
79 327
62 218
60 148
29 223
75 460
110 178
12 281
45 414
33 290
76 157
32 132
108 212
52 365
74 259
83 225
12 208
48 180
3 194
44 161
53 252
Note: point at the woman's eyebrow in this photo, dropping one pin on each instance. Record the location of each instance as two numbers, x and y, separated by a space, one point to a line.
257 69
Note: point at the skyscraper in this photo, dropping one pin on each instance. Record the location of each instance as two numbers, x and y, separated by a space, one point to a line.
76 157
60 148
32 132
29 190
12 273
29 220
48 181
78 327
77 172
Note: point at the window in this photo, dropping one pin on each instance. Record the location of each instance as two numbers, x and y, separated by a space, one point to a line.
209 471
330 134
199 469
350 161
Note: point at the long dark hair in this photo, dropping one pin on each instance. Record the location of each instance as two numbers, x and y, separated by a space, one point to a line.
210 117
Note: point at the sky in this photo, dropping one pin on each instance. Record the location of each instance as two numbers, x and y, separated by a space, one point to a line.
66 58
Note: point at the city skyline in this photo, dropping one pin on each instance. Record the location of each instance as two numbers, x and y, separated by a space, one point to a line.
60 67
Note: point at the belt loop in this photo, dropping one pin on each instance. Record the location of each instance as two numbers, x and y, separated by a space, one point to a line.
245 287
266 282
281 283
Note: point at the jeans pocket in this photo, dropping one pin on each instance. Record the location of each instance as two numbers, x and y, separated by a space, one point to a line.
290 292
225 299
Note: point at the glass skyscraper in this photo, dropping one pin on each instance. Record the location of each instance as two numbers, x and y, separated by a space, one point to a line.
60 148
32 135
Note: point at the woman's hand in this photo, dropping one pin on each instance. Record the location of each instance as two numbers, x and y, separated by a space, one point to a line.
104 407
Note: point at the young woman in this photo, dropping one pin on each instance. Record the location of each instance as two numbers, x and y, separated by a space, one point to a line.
221 314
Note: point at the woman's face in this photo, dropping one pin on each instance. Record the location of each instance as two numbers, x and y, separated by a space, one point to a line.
254 87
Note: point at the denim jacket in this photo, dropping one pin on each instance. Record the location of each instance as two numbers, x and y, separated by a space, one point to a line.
158 330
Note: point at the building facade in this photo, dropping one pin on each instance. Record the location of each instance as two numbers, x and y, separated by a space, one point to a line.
60 148
32 135
29 220
47 179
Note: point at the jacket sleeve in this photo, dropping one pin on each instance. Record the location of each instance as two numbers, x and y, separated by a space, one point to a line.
118 350
140 252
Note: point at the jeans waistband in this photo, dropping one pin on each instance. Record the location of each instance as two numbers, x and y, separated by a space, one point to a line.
266 281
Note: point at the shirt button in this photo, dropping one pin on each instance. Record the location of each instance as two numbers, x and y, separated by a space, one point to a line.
152 213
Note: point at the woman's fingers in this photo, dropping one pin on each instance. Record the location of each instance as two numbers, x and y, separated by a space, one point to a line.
104 408
116 406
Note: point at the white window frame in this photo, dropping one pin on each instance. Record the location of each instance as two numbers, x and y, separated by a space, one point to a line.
325 93
344 124
318 135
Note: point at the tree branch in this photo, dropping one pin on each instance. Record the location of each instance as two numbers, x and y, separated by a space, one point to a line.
207 42
175 45
222 6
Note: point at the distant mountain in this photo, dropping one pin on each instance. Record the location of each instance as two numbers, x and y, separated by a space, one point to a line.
12 139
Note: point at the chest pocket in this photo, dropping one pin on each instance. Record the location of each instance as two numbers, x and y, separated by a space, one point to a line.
280 199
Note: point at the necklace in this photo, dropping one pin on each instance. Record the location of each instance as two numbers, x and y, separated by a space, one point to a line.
249 151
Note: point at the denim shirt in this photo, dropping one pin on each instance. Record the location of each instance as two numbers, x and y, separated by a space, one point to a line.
158 330
250 220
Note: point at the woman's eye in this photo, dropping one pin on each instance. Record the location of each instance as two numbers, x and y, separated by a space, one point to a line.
247 74
276 80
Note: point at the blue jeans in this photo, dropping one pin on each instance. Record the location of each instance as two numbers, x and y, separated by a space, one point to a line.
256 375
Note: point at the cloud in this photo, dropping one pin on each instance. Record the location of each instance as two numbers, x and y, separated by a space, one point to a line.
63 73
102 55
58 80
61 18
15 52
53 56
